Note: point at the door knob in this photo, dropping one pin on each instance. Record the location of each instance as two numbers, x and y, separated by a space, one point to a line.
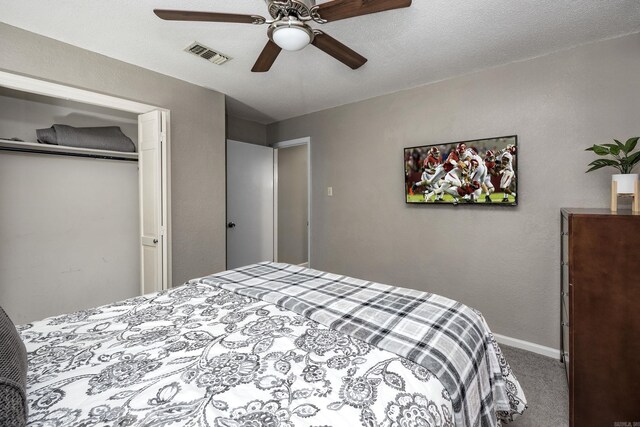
231 224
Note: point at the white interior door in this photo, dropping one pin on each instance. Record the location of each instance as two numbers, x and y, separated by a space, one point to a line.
249 204
151 134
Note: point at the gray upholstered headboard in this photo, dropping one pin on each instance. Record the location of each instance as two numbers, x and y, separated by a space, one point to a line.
13 375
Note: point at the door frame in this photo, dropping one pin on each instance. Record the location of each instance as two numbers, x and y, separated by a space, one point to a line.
56 90
287 144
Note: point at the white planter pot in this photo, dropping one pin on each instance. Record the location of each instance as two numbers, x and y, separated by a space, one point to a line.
625 182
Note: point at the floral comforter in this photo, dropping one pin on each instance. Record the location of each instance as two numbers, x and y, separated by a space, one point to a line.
202 356
449 339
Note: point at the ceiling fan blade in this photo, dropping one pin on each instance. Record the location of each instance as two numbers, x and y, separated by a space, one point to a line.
267 57
342 53
186 15
342 9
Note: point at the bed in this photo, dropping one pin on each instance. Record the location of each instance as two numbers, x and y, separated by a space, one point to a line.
270 345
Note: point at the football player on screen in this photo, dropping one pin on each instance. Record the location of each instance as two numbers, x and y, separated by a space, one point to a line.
490 165
478 175
451 183
432 171
505 158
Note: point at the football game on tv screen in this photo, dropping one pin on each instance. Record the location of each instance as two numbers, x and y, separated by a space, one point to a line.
480 171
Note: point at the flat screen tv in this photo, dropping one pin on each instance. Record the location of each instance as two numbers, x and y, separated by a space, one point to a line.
474 172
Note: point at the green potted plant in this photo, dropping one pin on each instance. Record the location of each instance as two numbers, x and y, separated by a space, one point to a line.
622 157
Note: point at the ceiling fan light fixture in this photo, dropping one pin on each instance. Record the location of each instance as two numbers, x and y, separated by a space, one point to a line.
291 34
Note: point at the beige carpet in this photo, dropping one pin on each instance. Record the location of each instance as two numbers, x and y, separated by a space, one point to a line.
545 386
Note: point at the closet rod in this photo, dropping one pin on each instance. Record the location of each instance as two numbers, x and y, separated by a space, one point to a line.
69 154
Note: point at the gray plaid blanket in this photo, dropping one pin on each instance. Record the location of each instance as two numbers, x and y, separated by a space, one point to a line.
448 338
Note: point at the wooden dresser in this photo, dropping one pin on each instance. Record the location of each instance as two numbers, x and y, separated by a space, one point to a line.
601 316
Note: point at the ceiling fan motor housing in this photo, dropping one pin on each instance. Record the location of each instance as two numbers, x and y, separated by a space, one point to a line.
300 8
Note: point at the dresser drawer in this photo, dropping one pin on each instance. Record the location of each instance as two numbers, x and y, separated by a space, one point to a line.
565 307
565 279
567 367
564 256
565 337
564 315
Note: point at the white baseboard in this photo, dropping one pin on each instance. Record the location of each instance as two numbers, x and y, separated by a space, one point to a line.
529 346
304 264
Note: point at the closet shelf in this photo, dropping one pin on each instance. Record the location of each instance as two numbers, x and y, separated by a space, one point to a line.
61 150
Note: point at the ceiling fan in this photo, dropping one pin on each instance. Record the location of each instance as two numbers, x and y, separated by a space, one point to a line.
289 29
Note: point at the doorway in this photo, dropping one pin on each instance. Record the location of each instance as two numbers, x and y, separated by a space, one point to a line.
268 202
292 201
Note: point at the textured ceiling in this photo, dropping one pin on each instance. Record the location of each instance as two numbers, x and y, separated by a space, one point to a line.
432 40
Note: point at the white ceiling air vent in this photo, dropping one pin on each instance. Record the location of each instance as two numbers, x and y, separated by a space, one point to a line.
207 53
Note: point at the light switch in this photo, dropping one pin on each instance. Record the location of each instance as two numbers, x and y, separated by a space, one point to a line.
329 191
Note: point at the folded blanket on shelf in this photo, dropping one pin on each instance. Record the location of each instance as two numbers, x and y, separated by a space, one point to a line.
99 138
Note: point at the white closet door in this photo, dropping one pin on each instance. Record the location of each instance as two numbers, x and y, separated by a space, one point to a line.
151 134
249 204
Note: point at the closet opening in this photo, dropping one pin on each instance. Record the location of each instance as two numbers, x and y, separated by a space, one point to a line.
80 226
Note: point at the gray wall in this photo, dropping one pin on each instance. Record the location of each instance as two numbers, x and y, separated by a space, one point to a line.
242 130
197 137
292 204
503 261
68 234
